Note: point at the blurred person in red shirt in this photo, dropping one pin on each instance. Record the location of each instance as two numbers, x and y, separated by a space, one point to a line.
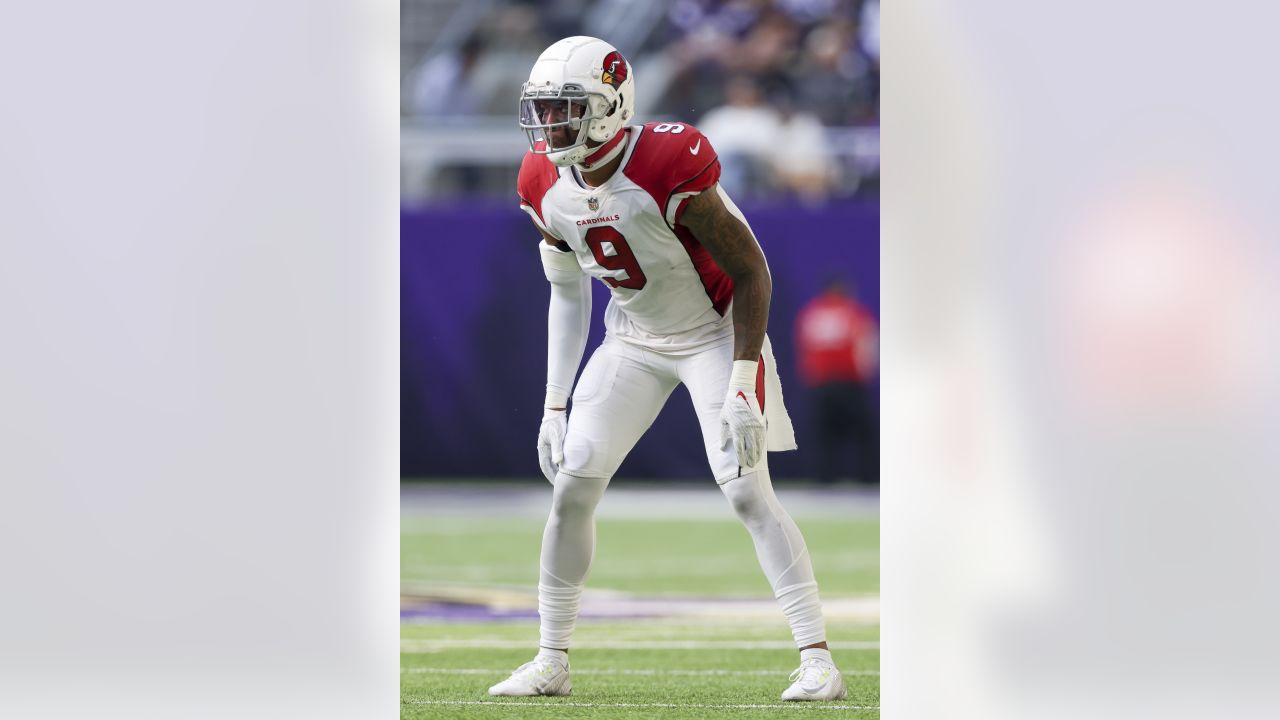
837 344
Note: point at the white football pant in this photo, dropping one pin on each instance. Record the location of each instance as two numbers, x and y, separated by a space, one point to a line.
617 398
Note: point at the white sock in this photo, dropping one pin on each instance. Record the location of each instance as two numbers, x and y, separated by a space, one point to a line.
568 543
816 654
559 656
803 610
557 611
781 551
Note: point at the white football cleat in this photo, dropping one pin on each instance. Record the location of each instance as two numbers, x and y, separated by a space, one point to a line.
816 679
537 677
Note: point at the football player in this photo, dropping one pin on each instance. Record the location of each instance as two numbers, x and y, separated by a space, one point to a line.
638 207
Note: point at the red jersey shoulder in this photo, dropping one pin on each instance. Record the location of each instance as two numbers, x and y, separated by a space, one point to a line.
672 157
670 136
537 175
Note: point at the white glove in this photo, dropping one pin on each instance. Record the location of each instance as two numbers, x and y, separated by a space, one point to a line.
551 442
741 421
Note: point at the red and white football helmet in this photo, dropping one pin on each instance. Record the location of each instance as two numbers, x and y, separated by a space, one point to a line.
582 83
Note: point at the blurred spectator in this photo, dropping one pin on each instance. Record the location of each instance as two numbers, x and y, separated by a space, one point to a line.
743 132
838 348
703 48
800 155
834 79
445 85
767 49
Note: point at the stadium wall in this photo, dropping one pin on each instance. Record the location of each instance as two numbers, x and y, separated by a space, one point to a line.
473 335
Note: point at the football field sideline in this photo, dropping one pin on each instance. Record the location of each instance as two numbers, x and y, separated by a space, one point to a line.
625 499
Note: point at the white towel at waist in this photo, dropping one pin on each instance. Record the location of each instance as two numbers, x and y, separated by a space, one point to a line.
779 433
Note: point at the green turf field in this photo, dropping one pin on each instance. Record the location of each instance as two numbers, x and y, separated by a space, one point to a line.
704 660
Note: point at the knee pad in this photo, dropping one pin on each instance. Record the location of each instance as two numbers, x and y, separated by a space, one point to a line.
576 496
747 497
589 452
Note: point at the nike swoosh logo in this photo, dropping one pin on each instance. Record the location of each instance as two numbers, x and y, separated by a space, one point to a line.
694 150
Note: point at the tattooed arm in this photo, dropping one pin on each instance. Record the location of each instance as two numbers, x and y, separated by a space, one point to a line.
735 250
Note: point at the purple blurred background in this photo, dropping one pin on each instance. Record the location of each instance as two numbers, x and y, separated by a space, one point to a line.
473 335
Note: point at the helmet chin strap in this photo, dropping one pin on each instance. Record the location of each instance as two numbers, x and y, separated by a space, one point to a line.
603 154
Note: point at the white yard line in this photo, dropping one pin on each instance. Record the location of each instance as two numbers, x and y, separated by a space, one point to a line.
498 644
617 671
553 704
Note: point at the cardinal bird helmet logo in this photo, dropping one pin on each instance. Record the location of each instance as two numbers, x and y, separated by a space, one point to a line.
615 69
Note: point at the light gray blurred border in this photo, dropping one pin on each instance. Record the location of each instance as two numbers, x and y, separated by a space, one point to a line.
198 373
1079 384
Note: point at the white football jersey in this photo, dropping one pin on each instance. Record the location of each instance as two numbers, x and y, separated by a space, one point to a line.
667 293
